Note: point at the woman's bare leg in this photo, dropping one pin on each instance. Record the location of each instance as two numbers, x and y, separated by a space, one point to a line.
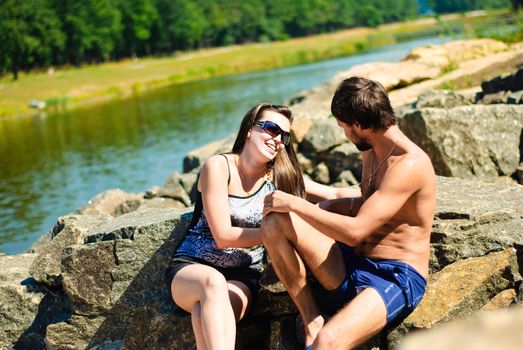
207 287
196 320
240 297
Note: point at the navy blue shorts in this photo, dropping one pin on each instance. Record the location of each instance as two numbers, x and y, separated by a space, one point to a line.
400 286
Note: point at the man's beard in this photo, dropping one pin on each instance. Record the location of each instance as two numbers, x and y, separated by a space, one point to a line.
363 146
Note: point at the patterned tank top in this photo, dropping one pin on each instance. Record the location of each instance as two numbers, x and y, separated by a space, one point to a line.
245 212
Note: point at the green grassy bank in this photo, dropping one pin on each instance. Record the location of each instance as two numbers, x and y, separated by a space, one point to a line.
73 87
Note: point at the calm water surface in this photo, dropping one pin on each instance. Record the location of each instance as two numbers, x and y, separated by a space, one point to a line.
51 165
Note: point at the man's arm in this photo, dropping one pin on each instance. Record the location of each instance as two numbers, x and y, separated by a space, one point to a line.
400 182
317 192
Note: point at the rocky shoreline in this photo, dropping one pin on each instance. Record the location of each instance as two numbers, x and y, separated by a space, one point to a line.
95 281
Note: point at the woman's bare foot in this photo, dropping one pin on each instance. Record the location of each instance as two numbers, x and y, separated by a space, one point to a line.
312 329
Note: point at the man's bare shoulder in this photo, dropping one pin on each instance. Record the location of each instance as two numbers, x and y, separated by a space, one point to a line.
415 168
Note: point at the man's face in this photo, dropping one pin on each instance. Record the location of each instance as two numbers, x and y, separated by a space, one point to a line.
355 135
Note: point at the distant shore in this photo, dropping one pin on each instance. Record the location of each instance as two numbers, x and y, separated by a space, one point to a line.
70 88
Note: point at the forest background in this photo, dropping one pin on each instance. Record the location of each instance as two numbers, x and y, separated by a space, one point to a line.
36 34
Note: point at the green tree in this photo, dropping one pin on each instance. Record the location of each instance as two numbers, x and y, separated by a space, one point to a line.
138 18
30 33
188 26
92 28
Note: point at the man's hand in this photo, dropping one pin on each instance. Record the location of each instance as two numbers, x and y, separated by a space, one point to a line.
278 201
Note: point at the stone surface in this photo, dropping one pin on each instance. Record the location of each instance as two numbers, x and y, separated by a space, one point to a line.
177 193
195 159
486 331
455 52
473 66
394 75
322 136
473 218
502 300
468 142
68 230
107 202
443 99
77 332
26 307
511 82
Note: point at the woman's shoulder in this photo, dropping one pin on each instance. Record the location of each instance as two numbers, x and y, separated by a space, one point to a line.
216 166
217 161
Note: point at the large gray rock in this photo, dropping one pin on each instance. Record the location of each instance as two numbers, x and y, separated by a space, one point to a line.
119 270
322 136
68 230
473 218
511 82
468 142
195 159
26 307
107 202
444 99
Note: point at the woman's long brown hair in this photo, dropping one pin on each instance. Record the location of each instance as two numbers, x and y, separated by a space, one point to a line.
287 174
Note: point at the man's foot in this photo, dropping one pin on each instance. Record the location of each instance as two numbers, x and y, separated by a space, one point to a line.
312 329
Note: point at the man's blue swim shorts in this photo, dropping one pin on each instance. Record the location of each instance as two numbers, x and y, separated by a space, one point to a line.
400 286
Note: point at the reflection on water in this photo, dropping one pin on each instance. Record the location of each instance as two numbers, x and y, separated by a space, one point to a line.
50 165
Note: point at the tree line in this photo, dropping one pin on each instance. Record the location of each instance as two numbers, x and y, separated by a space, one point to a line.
36 34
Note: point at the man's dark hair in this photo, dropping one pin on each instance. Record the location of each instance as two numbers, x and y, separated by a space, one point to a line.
362 101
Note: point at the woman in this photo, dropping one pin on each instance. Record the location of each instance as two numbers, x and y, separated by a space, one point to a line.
214 272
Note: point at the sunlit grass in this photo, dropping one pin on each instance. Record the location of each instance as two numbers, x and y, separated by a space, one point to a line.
69 87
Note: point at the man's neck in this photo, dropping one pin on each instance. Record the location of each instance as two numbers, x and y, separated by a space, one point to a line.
385 140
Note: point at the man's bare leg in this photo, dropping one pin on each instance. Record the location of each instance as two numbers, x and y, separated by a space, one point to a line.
355 323
288 240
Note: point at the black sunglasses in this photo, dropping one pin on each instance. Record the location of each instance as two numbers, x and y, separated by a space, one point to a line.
274 130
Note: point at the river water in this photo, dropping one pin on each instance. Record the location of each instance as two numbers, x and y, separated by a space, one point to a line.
53 164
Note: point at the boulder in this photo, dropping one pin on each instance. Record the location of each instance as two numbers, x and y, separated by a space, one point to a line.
484 331
118 270
195 159
107 202
511 82
455 52
322 136
68 230
177 194
443 99
468 142
393 75
26 307
473 218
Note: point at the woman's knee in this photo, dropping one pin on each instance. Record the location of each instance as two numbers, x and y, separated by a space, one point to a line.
214 284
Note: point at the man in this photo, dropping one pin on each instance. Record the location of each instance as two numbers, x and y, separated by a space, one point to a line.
368 249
